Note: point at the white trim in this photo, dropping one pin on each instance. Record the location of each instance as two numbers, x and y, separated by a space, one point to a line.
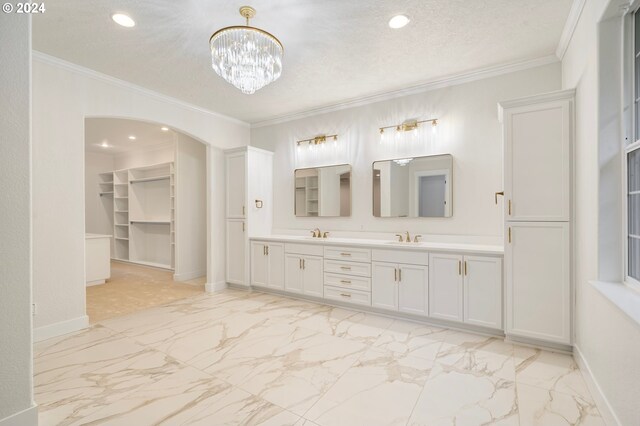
28 417
437 83
606 411
541 98
69 66
60 328
190 275
213 287
569 27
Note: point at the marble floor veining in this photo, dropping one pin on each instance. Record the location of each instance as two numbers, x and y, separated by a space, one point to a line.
249 358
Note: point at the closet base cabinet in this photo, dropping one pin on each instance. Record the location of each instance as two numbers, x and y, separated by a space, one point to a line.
267 265
446 284
236 251
304 274
400 287
538 287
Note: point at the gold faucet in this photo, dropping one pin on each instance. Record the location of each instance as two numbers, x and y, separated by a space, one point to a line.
408 237
316 233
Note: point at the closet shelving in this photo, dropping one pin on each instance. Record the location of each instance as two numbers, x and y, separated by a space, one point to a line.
307 191
143 215
105 184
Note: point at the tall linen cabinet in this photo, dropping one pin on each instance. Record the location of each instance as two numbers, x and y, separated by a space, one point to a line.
249 207
538 134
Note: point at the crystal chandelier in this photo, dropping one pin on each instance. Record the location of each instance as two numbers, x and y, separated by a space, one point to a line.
245 56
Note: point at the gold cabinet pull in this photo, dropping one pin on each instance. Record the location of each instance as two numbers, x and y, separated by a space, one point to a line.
300 263
465 267
267 247
509 207
345 281
345 295
459 267
242 210
345 268
496 196
264 250
303 265
345 254
399 274
242 226
509 234
395 274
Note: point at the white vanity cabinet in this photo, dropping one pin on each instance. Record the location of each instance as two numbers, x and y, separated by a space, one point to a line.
304 269
445 292
267 264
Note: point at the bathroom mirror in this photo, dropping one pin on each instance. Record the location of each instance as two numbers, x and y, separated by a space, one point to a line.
413 187
323 191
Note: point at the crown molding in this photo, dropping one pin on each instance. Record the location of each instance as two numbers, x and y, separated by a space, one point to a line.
569 27
87 72
427 86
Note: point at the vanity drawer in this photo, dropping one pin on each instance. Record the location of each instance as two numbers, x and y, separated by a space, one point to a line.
351 296
401 256
348 253
347 282
308 249
349 268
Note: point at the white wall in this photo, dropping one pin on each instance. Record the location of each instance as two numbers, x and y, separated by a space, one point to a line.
63 95
468 129
191 209
145 157
16 368
608 340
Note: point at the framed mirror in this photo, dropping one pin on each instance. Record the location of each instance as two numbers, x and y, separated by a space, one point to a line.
413 187
323 191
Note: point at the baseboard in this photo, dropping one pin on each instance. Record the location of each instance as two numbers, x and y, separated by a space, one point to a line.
60 328
606 411
189 275
28 417
213 287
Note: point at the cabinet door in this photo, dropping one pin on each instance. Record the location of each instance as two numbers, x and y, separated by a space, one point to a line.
538 281
537 161
384 286
445 286
236 185
312 276
236 252
275 256
483 291
413 289
259 264
293 273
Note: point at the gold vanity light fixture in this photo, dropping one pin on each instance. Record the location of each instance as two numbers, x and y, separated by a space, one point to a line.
318 140
409 125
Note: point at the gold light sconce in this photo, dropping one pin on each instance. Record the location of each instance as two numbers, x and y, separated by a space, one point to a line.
409 125
318 140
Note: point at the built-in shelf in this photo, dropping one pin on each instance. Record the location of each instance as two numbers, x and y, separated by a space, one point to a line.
156 222
122 224
106 193
149 179
121 238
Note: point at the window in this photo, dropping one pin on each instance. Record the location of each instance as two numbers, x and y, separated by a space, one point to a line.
632 170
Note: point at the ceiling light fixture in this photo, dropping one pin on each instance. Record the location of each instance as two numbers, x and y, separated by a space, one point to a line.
245 56
124 20
133 138
104 144
164 129
398 21
318 140
408 125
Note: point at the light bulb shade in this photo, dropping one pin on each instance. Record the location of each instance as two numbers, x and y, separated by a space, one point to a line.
247 57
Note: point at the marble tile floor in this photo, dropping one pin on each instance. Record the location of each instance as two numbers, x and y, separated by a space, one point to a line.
133 288
249 358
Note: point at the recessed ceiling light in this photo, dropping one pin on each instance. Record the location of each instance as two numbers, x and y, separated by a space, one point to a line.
398 21
133 138
104 145
124 20
164 129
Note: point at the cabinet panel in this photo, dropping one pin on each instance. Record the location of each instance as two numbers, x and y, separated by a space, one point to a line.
293 273
236 252
347 281
538 281
236 185
349 268
413 285
384 288
348 253
483 291
313 276
275 256
445 286
537 161
347 295
259 264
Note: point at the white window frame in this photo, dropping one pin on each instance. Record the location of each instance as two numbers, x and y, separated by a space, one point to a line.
632 130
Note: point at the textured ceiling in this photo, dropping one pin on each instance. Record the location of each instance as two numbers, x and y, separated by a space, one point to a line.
116 131
335 50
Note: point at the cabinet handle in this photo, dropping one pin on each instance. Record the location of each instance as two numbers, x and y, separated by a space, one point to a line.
242 210
345 268
242 226
267 250
300 263
345 254
395 274
496 196
345 295
399 274
509 207
465 267
303 266
264 250
509 234
459 267
345 281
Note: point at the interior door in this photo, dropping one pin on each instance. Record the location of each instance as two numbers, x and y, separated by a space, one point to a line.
313 276
293 273
275 256
235 252
384 286
259 264
413 289
483 291
445 286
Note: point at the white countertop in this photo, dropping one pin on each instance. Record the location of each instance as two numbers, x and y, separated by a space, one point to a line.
387 244
88 236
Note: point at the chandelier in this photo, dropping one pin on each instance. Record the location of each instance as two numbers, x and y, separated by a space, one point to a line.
245 56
